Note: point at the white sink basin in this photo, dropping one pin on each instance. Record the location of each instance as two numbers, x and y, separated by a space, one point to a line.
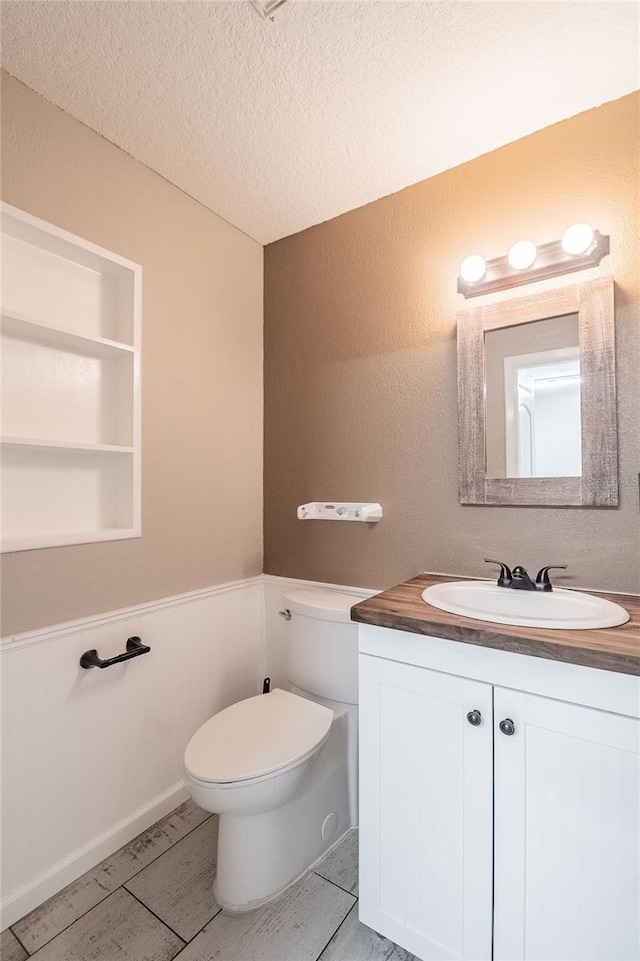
559 609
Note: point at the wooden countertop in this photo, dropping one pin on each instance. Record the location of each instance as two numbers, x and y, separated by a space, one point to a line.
609 649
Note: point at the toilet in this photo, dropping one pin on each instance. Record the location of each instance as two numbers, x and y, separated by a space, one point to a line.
281 768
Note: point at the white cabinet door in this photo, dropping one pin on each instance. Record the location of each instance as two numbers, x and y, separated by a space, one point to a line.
567 840
426 797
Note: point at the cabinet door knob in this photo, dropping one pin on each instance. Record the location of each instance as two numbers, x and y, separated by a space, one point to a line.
474 718
507 726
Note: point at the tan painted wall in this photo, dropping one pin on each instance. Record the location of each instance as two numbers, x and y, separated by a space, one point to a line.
360 365
202 372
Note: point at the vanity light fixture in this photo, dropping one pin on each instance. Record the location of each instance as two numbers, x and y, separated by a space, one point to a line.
580 247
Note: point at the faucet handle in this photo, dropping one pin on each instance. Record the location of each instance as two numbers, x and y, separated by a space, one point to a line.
542 579
504 580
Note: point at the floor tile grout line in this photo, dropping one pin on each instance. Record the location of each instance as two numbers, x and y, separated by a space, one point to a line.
336 885
200 930
71 923
156 916
212 918
109 893
165 852
339 926
23 946
186 940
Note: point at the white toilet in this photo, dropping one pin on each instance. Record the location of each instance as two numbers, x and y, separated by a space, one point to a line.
281 768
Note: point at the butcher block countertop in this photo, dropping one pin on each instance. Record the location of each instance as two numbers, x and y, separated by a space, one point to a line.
609 649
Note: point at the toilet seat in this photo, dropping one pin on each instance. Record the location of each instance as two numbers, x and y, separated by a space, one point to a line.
256 737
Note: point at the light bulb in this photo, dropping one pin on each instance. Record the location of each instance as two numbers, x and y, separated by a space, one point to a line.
472 269
576 239
522 254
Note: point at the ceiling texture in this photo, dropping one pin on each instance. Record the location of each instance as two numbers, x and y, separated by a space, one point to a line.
278 124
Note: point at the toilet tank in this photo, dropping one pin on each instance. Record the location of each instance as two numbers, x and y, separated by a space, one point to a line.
322 643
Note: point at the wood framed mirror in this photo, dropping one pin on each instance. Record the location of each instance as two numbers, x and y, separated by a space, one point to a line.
537 400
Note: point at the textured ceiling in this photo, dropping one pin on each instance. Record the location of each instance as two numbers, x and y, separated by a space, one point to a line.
278 125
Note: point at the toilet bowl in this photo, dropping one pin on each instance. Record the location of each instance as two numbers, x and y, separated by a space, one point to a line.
280 768
254 755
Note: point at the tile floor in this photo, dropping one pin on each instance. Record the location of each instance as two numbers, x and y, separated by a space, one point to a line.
153 901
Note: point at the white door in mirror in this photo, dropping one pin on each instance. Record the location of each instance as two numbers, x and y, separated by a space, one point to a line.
557 610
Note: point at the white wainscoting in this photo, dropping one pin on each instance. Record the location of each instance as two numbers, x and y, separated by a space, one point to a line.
92 757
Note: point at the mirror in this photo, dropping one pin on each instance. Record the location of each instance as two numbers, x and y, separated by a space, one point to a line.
532 399
536 399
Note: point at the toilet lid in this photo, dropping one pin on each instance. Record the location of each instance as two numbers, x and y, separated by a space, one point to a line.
257 737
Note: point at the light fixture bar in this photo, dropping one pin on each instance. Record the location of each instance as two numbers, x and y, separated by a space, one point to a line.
551 261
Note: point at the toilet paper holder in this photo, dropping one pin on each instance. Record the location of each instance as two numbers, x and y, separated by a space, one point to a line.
135 648
340 511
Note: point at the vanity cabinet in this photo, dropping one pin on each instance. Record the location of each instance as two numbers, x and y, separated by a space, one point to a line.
426 795
513 844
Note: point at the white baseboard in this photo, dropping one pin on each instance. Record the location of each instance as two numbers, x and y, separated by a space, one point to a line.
72 867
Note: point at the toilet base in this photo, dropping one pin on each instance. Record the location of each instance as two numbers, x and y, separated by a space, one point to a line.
260 855
253 905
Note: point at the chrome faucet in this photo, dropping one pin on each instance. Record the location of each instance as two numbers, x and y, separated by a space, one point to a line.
519 580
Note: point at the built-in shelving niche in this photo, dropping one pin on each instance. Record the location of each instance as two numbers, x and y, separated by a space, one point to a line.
70 446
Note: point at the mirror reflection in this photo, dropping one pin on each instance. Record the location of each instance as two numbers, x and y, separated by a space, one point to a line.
532 395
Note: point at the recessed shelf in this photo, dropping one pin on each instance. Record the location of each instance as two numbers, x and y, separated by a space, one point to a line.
25 328
50 392
70 324
36 443
50 491
66 282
